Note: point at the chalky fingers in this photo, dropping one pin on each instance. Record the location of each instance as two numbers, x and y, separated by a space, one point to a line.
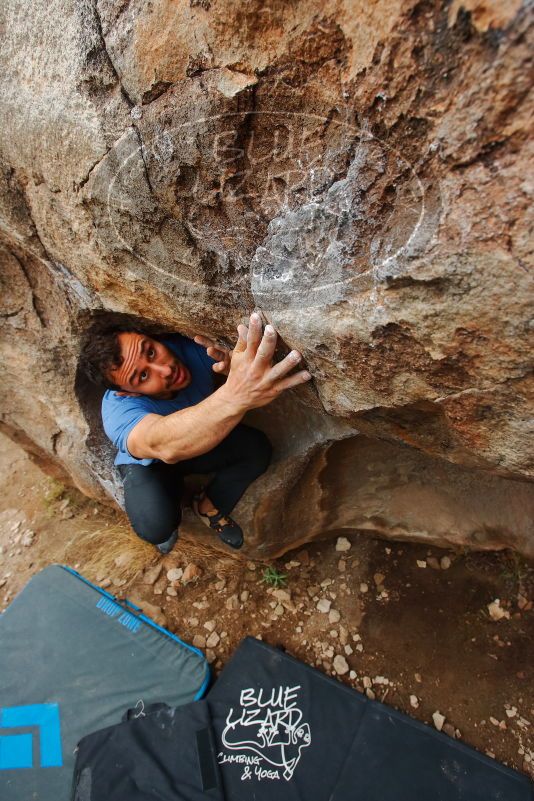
293 380
267 346
254 335
288 363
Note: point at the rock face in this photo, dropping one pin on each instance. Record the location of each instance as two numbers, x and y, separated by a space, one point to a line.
358 172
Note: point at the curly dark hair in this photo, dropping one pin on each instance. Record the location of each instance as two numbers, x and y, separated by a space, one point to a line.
100 351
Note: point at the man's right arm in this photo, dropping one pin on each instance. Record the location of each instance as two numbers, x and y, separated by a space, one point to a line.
186 433
252 382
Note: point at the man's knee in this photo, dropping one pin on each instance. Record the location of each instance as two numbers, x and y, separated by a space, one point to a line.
152 523
156 530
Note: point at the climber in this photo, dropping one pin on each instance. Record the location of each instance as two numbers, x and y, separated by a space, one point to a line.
167 419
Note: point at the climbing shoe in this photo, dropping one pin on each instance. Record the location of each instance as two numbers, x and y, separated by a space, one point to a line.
227 529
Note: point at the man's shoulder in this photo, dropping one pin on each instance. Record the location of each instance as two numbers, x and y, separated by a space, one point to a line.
112 402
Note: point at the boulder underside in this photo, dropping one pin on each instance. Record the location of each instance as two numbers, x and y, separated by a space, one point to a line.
357 172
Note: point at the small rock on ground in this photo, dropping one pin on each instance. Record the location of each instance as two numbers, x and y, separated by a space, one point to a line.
340 665
438 719
343 544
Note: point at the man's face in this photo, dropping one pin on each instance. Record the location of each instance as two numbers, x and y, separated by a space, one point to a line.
148 367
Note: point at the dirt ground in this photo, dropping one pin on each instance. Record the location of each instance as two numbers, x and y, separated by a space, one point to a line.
400 621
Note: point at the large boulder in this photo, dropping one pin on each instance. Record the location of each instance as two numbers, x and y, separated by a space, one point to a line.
357 172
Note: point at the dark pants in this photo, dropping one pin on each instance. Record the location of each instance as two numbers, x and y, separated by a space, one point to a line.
152 493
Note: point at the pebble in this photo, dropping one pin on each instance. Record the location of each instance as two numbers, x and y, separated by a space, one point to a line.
210 625
438 719
352 675
152 574
279 610
281 595
333 633
174 574
313 590
370 694
433 562
378 579
342 565
367 683
244 596
341 665
334 616
104 584
151 610
348 650
421 563
191 572
414 701
213 640
172 592
445 562
496 612
232 602
343 544
199 641
364 587
324 605
27 538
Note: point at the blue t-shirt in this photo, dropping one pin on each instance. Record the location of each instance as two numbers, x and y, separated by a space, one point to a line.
120 413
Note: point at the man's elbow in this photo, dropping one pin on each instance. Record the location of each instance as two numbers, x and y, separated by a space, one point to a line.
171 453
169 457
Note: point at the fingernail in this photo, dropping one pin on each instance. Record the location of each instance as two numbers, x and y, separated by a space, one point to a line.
306 376
269 329
255 316
295 355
